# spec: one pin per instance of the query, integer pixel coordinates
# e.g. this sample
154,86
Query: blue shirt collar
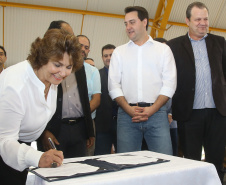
196,40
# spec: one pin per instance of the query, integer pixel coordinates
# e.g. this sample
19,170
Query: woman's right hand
49,157
45,142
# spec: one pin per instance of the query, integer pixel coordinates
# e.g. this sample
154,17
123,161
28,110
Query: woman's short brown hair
53,46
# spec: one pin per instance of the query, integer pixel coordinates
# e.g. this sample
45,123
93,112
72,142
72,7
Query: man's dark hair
108,46
162,40
141,11
85,37
1,47
89,59
195,4
56,24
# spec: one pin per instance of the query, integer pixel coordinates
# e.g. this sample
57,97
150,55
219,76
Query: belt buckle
141,104
71,121
144,104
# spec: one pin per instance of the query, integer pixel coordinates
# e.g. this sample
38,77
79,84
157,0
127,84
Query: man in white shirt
142,77
2,58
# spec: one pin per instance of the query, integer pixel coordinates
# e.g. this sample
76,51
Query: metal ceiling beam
165,17
67,10
84,12
185,25
161,18
155,25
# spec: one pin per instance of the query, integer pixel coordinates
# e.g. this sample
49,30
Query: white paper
127,159
66,170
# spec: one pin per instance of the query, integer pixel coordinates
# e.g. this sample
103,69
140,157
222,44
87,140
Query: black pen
54,164
52,143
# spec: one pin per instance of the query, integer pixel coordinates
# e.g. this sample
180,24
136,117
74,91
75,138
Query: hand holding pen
53,164
45,141
52,158
52,143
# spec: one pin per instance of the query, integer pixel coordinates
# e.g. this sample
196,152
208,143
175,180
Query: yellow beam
3,32
185,25
3,22
157,18
84,12
165,17
68,10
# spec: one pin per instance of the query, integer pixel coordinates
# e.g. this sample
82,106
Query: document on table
128,159
94,165
66,170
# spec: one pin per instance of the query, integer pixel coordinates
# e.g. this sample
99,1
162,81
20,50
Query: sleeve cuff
166,91
32,157
115,93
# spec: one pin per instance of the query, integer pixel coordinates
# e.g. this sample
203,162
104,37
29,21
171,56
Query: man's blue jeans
155,130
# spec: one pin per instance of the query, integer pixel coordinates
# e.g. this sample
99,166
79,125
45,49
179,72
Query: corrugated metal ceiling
101,30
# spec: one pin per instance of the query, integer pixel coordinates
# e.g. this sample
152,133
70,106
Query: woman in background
28,92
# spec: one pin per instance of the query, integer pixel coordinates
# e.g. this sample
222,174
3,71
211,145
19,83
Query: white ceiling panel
109,6
102,31
72,4
220,18
29,24
219,33
150,5
215,7
175,31
178,12
22,25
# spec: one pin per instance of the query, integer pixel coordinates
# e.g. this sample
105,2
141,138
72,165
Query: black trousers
206,128
72,139
104,140
10,176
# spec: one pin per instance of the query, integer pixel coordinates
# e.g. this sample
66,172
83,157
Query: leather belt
71,121
141,104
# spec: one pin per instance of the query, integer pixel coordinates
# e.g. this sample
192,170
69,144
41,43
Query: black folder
101,164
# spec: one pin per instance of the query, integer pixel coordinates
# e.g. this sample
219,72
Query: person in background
173,128
199,102
71,127
93,83
173,123
90,61
142,77
28,92
3,58
106,115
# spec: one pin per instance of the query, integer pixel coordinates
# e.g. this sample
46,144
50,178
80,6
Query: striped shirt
203,86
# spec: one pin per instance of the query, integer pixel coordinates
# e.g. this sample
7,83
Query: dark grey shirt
72,107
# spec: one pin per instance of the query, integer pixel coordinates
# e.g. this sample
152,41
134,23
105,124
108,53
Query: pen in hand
54,164
52,143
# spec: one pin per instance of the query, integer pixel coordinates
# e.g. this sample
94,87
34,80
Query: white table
178,171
